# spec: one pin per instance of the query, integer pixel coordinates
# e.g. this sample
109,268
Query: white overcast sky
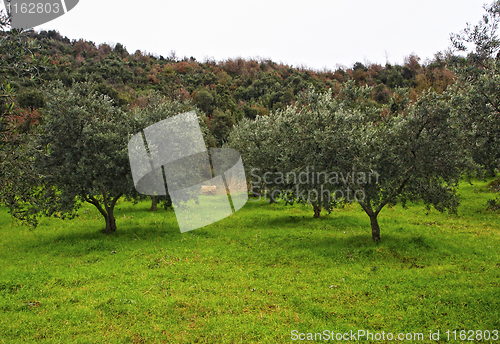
311,33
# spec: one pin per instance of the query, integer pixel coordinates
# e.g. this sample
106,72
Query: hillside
240,87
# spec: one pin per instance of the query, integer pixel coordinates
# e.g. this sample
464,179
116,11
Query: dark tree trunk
110,222
375,228
373,219
154,203
107,212
317,210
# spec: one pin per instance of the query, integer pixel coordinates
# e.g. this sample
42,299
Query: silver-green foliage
408,156
79,154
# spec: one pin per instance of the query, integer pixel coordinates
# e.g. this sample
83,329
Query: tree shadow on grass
402,246
329,234
84,237
292,220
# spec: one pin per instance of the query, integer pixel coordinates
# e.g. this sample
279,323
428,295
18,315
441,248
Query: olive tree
80,154
417,156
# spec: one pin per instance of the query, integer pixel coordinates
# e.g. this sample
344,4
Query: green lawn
254,277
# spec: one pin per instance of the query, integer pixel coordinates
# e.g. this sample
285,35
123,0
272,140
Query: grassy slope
253,277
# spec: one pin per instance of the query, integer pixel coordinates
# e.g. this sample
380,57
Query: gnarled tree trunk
375,228
107,212
110,222
373,219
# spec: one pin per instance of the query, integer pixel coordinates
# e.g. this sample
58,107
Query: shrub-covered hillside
225,90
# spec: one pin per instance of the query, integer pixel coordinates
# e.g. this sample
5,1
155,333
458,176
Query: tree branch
395,193
492,103
94,202
113,202
367,208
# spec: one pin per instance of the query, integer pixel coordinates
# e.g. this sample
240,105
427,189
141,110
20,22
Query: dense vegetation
226,91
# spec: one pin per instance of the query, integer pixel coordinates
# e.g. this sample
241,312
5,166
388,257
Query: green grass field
254,277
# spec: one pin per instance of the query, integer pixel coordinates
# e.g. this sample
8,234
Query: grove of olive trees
413,155
373,135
